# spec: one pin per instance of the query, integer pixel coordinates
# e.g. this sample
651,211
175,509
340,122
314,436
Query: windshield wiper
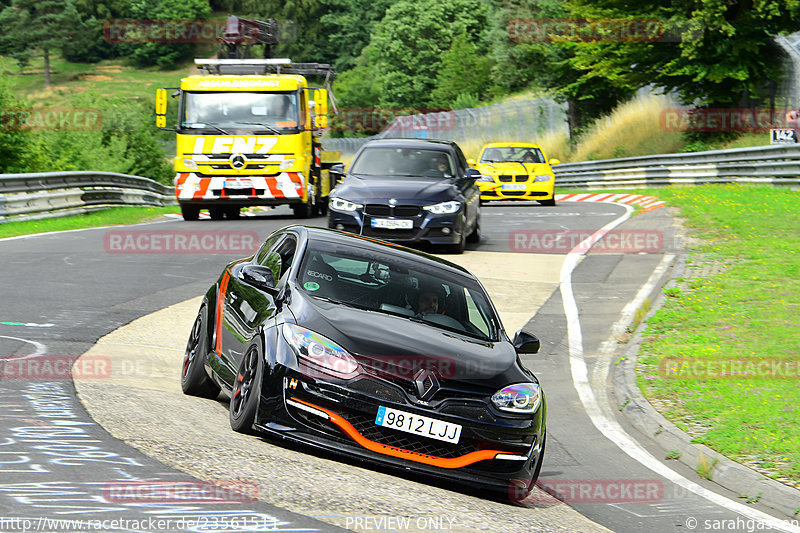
265,126
205,125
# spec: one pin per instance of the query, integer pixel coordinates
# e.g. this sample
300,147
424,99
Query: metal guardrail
776,165
53,194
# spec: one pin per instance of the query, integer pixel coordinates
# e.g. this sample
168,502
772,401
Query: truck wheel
215,213
302,210
190,212
232,212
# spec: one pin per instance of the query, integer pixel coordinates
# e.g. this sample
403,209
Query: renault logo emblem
238,160
425,384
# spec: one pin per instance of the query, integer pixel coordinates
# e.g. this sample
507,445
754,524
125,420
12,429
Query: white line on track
40,349
604,420
31,235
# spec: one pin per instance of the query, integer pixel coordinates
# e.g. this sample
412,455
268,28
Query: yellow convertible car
515,170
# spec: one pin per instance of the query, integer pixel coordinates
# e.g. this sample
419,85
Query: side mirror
471,162
555,161
526,342
472,174
338,168
260,277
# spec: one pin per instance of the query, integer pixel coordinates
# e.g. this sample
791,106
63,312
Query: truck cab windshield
273,113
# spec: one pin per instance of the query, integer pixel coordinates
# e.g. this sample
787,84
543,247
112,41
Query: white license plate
238,184
418,425
392,223
514,187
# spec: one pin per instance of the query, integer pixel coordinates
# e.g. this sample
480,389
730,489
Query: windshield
273,112
403,162
516,154
399,286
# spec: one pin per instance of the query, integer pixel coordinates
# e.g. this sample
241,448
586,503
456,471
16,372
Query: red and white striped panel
284,185
648,203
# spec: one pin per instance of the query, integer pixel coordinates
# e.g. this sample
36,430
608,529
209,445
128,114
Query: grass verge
739,301
112,216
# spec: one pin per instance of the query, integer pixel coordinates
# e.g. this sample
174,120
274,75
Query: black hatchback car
409,190
372,350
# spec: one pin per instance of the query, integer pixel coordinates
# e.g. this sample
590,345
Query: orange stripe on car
441,462
223,286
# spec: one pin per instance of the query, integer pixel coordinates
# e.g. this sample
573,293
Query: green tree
14,142
348,25
716,53
523,56
462,72
163,54
90,44
37,25
409,42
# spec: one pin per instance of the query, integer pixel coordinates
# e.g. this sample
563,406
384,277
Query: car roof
511,144
340,237
433,144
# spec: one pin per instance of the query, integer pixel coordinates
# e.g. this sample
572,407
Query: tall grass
634,128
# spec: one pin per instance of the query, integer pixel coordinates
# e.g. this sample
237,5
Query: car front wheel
246,391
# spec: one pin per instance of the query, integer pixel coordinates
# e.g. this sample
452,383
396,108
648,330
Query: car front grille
381,210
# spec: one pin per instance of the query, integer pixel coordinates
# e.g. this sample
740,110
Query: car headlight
543,177
191,164
319,351
286,164
519,398
485,178
340,204
443,208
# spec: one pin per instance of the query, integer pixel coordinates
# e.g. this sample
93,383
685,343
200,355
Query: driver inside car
428,302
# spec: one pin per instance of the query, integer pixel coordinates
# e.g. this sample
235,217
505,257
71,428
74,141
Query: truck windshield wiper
265,126
218,129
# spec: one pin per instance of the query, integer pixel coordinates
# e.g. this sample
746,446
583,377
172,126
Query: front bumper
426,227
493,450
531,190
285,187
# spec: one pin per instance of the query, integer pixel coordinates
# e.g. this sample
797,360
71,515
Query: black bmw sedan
409,190
373,350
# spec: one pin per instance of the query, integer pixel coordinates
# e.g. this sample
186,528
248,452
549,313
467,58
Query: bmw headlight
286,164
485,178
340,204
518,398
319,351
444,208
543,177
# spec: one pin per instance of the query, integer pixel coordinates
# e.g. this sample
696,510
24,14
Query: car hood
397,348
508,167
379,189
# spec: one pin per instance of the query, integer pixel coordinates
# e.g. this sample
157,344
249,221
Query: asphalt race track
62,292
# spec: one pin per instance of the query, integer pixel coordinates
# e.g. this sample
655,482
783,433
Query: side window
261,255
462,161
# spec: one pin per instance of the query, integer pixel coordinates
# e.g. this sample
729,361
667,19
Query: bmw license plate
392,223
418,425
238,184
514,187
